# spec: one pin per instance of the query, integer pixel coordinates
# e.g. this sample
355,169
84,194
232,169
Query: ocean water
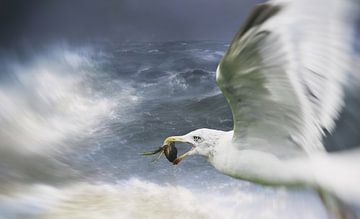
73,121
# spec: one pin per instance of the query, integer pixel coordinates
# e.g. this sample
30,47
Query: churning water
74,120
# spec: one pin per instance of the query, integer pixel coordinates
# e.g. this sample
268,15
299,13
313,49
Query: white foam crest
136,198
45,106
53,99
208,55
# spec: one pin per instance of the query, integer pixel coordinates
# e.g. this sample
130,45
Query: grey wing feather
284,72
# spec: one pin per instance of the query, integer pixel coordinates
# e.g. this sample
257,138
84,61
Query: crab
168,149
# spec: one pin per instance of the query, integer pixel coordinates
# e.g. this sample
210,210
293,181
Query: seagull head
203,142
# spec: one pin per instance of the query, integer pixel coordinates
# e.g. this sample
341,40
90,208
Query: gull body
244,161
283,76
259,166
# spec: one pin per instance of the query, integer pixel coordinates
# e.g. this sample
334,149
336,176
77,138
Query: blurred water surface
74,120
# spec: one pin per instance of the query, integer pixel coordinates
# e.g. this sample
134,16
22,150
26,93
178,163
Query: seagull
283,76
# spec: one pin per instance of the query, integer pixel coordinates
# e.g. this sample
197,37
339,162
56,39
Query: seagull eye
197,139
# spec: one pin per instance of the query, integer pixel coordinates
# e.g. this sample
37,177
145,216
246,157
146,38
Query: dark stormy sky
40,21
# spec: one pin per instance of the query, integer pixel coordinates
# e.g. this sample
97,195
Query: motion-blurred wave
74,120
48,102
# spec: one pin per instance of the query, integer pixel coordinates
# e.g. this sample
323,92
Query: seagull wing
284,72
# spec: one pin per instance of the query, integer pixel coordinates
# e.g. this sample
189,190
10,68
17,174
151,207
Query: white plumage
284,76
298,60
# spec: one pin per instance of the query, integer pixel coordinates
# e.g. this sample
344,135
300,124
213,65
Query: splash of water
49,102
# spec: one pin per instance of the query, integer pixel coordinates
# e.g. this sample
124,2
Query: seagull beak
178,159
171,139
179,139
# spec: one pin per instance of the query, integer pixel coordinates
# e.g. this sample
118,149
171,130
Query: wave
135,198
48,103
73,120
